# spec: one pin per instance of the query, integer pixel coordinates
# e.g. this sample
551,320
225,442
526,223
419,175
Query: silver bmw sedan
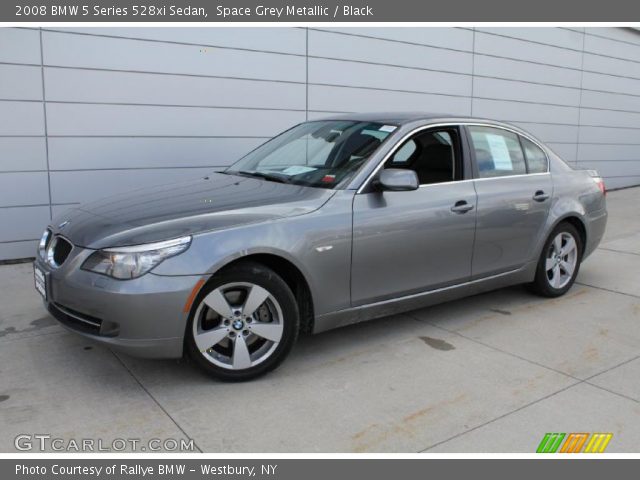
332,222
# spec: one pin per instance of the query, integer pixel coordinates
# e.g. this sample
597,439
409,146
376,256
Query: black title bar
41,11
314,469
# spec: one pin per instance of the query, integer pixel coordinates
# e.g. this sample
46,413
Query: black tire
542,285
262,276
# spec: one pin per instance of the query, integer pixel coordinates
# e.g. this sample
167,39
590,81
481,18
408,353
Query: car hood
186,208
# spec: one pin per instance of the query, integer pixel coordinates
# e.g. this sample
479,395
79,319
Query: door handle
461,206
540,196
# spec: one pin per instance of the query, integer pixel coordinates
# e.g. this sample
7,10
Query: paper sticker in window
499,152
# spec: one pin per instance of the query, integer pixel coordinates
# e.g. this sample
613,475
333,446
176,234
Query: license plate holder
40,282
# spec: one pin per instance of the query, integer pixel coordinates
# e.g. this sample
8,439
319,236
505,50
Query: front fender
318,244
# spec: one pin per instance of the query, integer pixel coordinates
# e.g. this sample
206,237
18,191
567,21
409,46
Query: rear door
514,193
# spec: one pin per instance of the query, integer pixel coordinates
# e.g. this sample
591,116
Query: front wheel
559,262
244,323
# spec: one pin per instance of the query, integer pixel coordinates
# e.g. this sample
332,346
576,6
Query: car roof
399,118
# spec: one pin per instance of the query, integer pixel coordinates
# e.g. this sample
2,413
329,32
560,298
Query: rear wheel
244,323
559,262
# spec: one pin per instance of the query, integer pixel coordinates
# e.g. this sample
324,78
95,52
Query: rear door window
498,152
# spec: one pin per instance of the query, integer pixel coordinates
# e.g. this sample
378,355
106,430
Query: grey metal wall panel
349,47
611,118
338,72
523,50
614,101
103,153
611,66
449,38
143,88
18,45
526,72
20,82
26,223
558,37
525,112
24,188
87,51
84,186
526,92
610,152
286,40
125,120
551,133
610,83
21,118
341,99
13,250
607,47
22,153
610,135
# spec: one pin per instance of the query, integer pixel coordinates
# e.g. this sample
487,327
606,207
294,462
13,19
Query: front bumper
143,317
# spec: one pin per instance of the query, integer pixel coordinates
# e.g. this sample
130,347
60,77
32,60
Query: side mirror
397,180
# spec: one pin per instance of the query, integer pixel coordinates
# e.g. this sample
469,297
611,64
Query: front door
413,241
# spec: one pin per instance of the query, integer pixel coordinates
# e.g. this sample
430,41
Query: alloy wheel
561,261
238,325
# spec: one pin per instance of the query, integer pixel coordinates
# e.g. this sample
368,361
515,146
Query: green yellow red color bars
574,442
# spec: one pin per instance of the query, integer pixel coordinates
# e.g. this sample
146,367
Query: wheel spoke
241,358
269,331
555,281
218,303
255,298
209,338
557,244
567,267
569,247
549,264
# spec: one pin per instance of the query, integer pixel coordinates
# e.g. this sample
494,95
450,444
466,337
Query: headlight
132,262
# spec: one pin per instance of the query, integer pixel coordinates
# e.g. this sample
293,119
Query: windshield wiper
274,177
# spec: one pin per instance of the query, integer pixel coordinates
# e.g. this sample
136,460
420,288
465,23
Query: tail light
599,181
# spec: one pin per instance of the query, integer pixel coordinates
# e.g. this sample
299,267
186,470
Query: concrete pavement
492,373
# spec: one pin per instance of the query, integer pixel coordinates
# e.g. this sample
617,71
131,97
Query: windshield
317,154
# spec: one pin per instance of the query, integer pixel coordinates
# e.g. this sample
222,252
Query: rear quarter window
536,158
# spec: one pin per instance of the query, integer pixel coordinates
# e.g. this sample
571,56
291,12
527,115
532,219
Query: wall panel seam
392,40
44,111
473,68
174,74
580,98
306,80
357,61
